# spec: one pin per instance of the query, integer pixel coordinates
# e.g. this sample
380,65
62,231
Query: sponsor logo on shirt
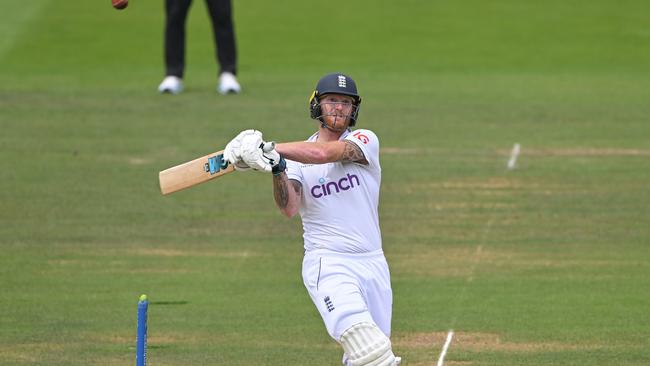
335,186
363,138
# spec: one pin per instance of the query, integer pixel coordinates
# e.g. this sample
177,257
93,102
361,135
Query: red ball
120,4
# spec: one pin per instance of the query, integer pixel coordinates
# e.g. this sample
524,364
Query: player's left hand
274,159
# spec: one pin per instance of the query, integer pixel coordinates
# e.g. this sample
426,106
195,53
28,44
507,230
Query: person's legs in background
226,49
176,15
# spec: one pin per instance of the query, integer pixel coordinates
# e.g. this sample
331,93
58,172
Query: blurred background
547,263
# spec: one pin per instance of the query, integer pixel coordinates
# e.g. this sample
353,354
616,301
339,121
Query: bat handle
268,146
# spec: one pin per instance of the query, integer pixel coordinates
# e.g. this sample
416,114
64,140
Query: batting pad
366,345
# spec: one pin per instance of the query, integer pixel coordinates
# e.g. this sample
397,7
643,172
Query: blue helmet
334,83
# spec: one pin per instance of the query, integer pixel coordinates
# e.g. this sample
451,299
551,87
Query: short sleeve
293,170
368,143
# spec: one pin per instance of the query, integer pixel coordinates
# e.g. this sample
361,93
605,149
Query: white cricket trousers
349,288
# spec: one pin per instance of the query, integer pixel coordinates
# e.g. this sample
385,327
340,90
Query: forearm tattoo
281,190
297,187
352,153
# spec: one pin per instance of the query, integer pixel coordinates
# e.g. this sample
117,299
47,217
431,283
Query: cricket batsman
332,180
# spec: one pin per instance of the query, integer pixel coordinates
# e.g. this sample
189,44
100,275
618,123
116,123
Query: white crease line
461,296
450,335
512,163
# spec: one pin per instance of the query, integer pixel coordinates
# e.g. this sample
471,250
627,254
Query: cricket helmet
334,83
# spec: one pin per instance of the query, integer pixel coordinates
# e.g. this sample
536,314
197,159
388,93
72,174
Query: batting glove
232,152
277,162
252,153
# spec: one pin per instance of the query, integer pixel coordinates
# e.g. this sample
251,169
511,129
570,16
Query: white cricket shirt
340,201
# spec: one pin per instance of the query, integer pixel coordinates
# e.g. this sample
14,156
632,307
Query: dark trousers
222,28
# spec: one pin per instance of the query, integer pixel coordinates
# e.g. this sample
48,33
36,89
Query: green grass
547,264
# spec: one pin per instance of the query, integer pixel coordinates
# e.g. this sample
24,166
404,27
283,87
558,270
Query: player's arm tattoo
280,190
352,153
297,187
281,187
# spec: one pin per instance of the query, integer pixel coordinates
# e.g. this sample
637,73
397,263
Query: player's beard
339,123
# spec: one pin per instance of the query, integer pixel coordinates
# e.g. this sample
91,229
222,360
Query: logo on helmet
342,82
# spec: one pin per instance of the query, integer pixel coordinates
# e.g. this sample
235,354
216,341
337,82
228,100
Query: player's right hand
232,152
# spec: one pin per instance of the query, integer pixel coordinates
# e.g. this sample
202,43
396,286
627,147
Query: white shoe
228,84
171,84
398,361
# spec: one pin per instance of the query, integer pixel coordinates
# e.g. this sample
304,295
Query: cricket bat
199,170
194,172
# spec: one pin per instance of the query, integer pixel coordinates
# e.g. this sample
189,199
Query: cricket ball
120,4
